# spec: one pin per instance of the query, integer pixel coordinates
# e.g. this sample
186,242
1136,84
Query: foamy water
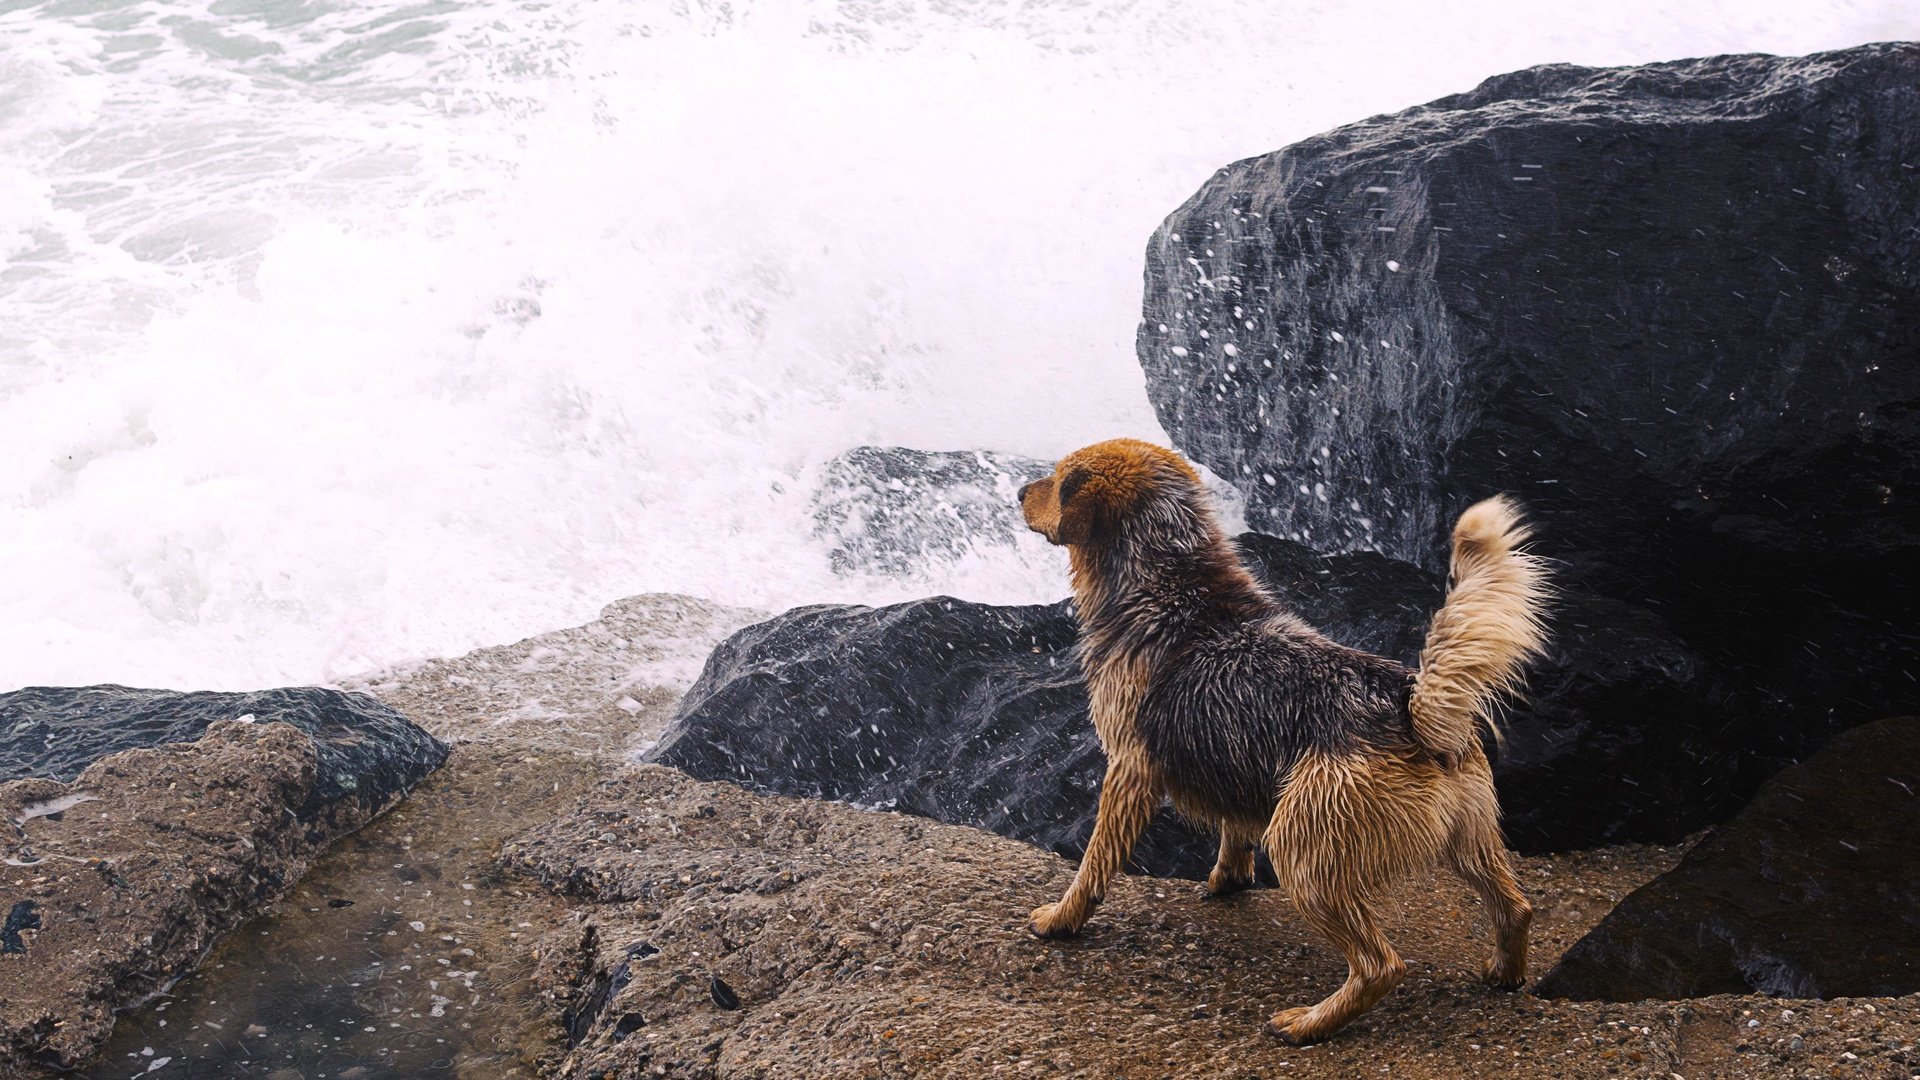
335,335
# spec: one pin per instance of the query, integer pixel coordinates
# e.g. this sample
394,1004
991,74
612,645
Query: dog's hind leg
1373,969
1127,800
1233,871
1345,827
1474,852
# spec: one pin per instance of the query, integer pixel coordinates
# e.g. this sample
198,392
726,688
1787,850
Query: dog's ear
1076,507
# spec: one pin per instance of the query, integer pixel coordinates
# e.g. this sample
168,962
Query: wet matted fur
1348,768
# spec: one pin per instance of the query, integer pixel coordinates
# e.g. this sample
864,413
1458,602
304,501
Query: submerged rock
977,715
1672,307
1812,891
891,510
123,865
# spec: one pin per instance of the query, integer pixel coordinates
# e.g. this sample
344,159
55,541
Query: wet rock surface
1672,307
874,944
595,689
365,752
402,953
1812,891
961,712
975,714
853,943
120,880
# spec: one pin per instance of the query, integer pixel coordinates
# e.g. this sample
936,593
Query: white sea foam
332,335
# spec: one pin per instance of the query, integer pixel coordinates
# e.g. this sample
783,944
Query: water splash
334,335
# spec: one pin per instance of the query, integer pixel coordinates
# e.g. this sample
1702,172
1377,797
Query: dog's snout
1024,488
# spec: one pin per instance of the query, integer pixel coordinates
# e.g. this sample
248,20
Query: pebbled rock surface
122,866
366,753
401,952
1675,308
1812,891
117,883
716,933
977,715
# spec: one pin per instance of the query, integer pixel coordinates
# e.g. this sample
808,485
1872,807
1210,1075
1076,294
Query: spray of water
332,335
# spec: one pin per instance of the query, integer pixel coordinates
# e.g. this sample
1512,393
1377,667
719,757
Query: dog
1349,769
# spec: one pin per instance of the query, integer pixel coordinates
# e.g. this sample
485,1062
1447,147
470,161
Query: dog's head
1095,491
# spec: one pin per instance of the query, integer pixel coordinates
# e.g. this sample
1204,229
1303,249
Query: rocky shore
540,907
695,841
715,933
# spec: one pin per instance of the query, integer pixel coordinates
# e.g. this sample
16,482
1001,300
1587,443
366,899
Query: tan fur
1128,797
1349,826
1345,824
1487,630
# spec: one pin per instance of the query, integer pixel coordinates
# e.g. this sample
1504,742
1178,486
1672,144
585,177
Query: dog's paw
1290,1026
1502,976
1048,921
1220,886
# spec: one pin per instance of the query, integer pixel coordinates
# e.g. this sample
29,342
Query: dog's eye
1071,484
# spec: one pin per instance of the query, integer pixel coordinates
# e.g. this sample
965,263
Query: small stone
723,994
627,1025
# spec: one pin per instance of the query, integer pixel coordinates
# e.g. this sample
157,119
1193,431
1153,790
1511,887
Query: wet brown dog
1350,769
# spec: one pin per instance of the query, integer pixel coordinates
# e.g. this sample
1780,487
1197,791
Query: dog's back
1233,707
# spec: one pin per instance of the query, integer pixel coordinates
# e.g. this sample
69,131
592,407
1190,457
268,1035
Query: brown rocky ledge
719,933
118,882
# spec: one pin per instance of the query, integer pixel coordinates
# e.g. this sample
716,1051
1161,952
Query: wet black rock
21,918
1675,308
890,510
1812,891
966,713
367,752
975,714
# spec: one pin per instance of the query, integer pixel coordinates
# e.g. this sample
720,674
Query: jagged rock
1812,891
123,865
890,510
976,714
1675,308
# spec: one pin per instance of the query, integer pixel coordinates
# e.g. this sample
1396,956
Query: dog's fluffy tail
1491,624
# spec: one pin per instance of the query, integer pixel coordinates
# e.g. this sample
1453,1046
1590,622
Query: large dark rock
366,752
891,510
1621,735
966,713
1675,308
977,715
1812,891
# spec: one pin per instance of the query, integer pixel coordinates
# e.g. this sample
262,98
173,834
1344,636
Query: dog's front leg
1127,800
